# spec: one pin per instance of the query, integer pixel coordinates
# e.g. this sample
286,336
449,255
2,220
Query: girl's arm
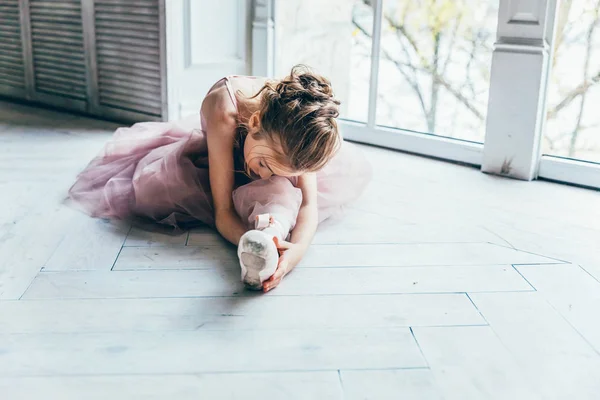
303,233
220,136
308,216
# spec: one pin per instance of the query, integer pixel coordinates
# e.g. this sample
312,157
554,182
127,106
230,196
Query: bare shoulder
219,111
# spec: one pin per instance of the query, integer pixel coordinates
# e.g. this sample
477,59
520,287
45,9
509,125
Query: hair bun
303,84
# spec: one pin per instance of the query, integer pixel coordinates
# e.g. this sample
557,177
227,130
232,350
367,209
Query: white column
263,35
516,108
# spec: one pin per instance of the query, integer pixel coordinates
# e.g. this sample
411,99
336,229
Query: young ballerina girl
264,166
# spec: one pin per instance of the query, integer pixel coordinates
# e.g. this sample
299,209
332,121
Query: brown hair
300,111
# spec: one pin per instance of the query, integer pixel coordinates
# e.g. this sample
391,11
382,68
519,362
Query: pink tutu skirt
157,172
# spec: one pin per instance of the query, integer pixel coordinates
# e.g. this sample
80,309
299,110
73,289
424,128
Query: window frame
523,43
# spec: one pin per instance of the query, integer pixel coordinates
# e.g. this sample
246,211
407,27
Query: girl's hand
290,255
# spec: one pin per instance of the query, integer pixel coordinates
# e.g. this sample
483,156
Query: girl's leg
275,196
274,202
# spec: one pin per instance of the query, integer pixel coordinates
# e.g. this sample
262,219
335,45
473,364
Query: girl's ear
254,121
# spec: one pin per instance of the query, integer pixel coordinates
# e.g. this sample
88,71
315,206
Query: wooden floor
440,283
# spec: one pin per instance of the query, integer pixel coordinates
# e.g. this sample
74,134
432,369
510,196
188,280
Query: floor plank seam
121,249
588,272
478,310
498,236
228,329
499,337
540,264
341,382
216,372
43,267
29,284
412,332
532,253
168,246
433,243
514,266
251,295
233,267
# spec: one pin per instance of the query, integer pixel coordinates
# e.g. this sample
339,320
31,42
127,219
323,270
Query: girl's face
261,155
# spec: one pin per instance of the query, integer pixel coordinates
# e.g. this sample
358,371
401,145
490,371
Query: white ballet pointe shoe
257,252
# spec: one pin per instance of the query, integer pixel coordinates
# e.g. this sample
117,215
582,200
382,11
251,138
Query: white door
206,40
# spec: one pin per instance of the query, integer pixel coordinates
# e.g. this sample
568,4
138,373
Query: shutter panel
12,70
57,47
101,57
128,55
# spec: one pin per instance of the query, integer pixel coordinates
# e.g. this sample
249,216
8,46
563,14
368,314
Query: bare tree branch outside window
436,58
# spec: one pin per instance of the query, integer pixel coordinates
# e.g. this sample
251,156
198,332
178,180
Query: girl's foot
257,252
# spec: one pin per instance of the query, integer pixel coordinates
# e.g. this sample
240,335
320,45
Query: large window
464,80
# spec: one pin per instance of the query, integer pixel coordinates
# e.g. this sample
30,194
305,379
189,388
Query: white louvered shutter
101,57
128,54
58,52
12,69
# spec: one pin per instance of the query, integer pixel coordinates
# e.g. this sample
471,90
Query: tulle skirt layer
157,172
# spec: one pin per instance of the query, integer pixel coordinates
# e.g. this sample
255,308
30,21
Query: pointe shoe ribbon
263,221
268,224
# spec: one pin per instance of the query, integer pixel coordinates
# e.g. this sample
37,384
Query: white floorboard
208,351
302,281
320,256
223,386
237,313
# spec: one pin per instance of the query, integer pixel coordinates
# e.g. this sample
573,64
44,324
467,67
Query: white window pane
435,66
573,121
